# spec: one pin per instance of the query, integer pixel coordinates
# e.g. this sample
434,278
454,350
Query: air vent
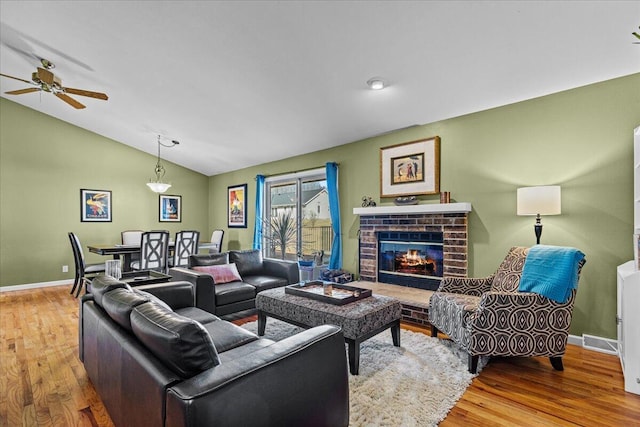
600,344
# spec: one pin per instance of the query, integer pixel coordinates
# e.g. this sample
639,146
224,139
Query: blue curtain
257,231
335,262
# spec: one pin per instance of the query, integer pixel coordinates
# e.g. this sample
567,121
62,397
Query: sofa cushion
209,259
119,303
151,297
229,293
182,344
199,315
226,335
249,262
265,282
223,273
100,285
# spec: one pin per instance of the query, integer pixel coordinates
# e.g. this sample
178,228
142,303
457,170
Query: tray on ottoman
337,294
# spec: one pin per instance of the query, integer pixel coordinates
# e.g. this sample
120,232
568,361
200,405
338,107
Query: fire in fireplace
412,259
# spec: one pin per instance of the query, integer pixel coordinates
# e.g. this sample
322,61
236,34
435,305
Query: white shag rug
415,384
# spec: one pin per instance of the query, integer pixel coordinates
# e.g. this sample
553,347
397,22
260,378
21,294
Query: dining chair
130,238
154,251
83,270
216,241
186,244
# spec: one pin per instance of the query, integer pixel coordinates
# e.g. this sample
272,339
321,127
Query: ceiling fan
45,80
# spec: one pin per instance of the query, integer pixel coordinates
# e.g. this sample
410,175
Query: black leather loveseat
231,295
156,360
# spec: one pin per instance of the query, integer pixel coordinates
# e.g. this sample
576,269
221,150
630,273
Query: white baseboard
591,342
35,285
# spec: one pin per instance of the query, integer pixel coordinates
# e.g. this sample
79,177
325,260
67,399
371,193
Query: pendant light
156,185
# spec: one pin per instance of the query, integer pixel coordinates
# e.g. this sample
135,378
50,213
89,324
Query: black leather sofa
156,360
256,273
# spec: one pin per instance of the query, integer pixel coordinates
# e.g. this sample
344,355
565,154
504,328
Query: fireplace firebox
413,259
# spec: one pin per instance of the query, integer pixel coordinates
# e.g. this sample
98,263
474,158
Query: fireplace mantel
435,208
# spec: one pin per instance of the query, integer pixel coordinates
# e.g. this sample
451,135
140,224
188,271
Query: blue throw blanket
551,271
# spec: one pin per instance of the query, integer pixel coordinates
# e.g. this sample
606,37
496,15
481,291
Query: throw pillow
182,344
223,273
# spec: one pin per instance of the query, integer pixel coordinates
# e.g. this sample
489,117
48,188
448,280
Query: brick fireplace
450,219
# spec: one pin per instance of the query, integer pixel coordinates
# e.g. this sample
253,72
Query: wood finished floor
43,383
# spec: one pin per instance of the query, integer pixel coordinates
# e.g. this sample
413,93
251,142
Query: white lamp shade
158,187
543,200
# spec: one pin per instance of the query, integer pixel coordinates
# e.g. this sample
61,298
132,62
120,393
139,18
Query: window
297,222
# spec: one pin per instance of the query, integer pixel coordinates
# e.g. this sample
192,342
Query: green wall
581,139
44,162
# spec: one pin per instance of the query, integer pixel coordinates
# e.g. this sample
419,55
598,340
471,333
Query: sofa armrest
282,268
203,286
301,378
177,294
466,285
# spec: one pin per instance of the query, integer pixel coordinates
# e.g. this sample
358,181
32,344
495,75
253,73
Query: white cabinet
636,180
628,320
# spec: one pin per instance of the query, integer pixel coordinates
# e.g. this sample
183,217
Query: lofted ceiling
240,83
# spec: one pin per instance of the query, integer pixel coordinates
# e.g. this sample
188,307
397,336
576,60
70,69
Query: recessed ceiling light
376,83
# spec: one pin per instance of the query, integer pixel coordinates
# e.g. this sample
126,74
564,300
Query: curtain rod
298,171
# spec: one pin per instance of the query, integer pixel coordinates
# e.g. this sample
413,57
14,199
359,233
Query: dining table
118,251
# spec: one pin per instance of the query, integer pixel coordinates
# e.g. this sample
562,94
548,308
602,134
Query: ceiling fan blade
16,78
69,100
46,76
21,91
88,93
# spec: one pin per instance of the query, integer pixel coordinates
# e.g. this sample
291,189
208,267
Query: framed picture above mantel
410,168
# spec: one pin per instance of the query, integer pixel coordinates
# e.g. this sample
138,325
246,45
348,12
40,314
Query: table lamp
540,200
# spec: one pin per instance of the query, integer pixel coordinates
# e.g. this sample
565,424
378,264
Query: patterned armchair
490,317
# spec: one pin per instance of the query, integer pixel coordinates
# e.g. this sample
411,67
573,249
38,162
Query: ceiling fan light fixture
376,83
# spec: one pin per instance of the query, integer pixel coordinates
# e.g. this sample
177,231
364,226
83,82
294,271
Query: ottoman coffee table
359,320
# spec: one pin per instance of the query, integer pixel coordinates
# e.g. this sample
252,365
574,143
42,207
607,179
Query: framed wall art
410,168
95,205
237,206
170,209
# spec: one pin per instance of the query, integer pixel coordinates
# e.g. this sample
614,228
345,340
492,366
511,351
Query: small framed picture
95,205
410,168
237,206
170,208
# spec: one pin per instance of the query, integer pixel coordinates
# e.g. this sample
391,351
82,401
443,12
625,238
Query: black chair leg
556,362
434,331
75,284
83,284
473,364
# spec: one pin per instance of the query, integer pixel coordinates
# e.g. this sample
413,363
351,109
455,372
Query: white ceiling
244,83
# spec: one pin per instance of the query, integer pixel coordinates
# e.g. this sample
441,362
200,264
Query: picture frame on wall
410,168
95,205
170,208
237,206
